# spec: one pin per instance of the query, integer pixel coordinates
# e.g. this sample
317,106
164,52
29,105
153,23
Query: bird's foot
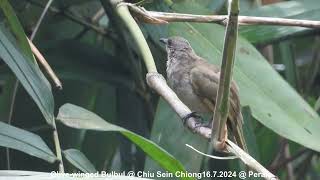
199,123
192,114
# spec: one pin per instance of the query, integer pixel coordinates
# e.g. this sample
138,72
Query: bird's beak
164,40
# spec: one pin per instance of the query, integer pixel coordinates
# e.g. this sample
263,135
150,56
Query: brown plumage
195,81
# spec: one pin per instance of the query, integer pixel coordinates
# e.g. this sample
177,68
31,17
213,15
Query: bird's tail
238,134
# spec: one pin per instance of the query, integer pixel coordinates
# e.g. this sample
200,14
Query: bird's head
176,43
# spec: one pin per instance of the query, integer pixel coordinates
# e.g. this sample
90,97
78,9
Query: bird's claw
192,114
199,123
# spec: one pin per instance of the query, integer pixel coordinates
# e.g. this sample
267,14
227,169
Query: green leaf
77,117
16,28
249,134
169,133
287,58
79,160
6,96
28,74
25,141
131,114
262,34
272,100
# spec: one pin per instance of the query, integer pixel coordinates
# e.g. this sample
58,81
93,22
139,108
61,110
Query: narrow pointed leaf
79,160
28,74
169,133
77,117
16,29
25,141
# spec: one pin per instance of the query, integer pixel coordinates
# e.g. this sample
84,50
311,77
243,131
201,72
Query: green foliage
25,141
305,9
16,28
28,74
169,133
79,160
77,117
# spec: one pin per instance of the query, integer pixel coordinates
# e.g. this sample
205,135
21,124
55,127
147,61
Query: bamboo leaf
77,117
79,160
16,29
16,53
25,141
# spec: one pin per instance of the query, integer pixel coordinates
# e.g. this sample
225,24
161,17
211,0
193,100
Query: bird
196,82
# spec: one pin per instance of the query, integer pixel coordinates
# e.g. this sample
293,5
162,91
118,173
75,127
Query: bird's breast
179,81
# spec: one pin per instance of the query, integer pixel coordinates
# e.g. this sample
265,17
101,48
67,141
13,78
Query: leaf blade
77,117
16,28
262,34
79,160
25,141
29,75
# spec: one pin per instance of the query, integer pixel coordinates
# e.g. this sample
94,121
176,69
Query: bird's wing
205,83
205,80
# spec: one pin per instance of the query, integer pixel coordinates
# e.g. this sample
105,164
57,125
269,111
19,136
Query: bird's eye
169,42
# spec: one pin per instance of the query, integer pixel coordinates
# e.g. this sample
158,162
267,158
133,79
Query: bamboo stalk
155,17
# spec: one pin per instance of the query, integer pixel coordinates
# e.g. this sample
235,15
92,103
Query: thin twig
10,116
211,156
45,64
304,167
73,18
164,17
44,12
289,165
58,147
221,110
277,166
278,156
98,15
249,161
267,52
